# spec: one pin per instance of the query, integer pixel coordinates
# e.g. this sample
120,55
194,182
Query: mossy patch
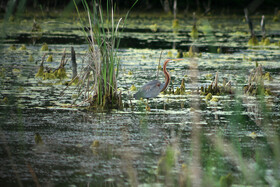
40,72
12,47
154,27
132,88
30,58
253,41
44,47
265,41
50,58
23,47
194,33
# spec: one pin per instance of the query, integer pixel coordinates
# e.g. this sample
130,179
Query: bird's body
153,88
149,90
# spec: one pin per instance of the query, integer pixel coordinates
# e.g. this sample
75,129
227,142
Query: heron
153,88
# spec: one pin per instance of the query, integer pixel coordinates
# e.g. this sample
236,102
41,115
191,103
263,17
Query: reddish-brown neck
167,76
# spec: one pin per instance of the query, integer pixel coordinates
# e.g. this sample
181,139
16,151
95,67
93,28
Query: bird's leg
148,108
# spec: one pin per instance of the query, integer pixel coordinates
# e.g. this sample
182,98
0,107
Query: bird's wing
149,90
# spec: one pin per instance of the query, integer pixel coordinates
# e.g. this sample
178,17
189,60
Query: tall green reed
103,63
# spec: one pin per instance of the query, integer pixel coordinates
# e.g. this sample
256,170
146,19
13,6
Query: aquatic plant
255,85
58,73
208,96
182,89
194,32
36,27
215,89
276,15
265,41
23,47
177,91
2,73
30,58
44,47
38,139
95,144
169,54
103,63
36,32
209,76
130,72
154,27
132,88
12,47
214,99
267,76
175,25
16,71
40,72
50,58
253,41
179,53
193,52
5,100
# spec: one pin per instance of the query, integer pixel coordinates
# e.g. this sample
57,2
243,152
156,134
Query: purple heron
153,88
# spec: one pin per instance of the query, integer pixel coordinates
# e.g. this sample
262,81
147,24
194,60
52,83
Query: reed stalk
103,64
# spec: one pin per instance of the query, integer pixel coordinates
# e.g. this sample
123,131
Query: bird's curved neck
167,76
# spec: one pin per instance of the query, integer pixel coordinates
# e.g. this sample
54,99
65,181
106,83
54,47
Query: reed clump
98,80
215,89
47,73
255,85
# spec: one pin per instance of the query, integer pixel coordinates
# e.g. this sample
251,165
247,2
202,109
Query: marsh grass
98,80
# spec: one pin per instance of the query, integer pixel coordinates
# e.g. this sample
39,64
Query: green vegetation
48,73
44,47
175,25
23,47
30,58
256,85
194,32
103,62
154,27
50,58
253,41
12,47
193,52
265,41
215,89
